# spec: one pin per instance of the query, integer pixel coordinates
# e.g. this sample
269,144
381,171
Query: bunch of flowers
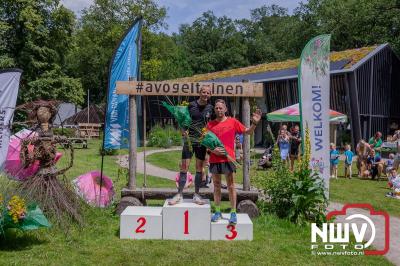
180,113
209,140
182,116
17,214
184,103
16,209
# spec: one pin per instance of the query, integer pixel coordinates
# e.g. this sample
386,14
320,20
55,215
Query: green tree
353,23
102,26
162,58
36,35
212,44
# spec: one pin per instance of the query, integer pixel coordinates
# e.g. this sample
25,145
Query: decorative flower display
209,140
17,214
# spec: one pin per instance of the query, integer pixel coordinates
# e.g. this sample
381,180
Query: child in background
334,157
392,176
238,149
389,163
189,179
348,161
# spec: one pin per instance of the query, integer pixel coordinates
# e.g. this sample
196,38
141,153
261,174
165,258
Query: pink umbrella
88,187
13,165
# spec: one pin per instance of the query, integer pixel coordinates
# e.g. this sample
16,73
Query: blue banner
124,67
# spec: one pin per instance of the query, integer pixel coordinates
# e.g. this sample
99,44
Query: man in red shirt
225,129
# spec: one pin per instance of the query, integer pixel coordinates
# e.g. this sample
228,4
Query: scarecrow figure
55,196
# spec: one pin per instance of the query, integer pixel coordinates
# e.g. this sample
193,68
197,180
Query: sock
233,210
197,182
217,208
182,181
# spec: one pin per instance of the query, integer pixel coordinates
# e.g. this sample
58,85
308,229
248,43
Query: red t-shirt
226,132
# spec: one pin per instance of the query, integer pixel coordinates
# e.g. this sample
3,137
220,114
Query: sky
186,11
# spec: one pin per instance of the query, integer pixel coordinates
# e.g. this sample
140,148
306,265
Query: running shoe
233,219
216,216
178,198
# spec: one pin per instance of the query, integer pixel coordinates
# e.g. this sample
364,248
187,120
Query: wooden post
246,144
144,98
132,142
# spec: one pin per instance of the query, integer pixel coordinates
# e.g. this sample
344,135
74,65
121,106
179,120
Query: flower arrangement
209,140
17,214
184,103
16,209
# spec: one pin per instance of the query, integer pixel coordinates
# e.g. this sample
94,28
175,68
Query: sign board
239,89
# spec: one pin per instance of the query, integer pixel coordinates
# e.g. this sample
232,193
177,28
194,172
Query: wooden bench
79,141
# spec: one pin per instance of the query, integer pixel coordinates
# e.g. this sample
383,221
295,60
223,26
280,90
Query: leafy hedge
164,137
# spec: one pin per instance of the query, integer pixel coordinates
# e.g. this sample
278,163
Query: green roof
353,55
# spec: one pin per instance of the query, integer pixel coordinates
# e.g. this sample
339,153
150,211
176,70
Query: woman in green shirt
375,143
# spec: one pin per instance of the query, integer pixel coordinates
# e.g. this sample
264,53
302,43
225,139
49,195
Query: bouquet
16,214
180,113
182,116
209,140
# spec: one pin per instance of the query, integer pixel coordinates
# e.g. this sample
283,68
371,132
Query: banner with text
9,85
314,81
237,89
125,64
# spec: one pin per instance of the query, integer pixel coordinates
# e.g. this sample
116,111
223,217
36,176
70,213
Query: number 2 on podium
143,222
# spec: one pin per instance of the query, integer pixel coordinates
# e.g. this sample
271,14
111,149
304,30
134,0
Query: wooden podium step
165,193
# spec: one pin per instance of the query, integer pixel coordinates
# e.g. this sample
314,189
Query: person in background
392,176
348,161
238,149
374,164
396,138
284,145
334,157
375,143
295,141
189,180
389,164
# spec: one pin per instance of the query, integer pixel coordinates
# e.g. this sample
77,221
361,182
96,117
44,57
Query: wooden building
365,85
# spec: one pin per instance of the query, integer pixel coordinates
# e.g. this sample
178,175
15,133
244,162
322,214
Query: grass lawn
358,190
276,241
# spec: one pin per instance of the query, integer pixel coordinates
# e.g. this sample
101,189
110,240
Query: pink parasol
13,166
88,187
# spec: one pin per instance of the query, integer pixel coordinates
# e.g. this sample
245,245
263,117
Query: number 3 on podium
232,230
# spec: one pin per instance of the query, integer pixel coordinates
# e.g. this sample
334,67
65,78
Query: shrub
299,196
164,137
68,132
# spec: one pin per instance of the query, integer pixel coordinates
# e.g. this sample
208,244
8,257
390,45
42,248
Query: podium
222,230
141,223
183,221
186,221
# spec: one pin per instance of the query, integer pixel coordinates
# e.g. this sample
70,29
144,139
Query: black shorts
294,150
198,150
222,168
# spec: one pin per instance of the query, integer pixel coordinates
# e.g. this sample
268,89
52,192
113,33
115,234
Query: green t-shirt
376,146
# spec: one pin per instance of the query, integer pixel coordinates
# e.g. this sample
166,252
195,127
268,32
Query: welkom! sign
241,89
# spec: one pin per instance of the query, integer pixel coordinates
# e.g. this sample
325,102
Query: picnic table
81,142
